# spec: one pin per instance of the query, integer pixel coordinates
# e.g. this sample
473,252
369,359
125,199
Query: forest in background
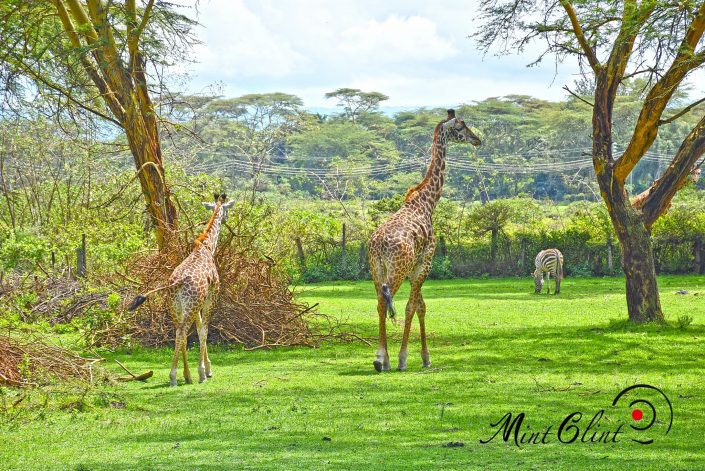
311,188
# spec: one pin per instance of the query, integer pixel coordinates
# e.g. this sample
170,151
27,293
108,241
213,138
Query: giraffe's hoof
378,366
426,360
172,383
209,375
202,380
401,367
188,381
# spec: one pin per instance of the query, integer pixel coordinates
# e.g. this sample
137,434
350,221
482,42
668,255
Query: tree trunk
643,302
143,137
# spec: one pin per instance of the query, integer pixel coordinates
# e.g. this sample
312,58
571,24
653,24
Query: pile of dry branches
255,306
59,297
31,363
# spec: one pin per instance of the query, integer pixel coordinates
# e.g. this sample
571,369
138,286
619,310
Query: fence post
342,247
300,251
522,254
610,262
361,258
81,258
698,253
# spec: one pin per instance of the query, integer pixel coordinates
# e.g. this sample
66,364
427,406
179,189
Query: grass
495,348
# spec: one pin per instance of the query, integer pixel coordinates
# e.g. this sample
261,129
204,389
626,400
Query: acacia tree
355,102
614,41
92,57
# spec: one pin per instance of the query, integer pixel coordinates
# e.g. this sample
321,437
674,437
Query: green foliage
355,102
684,321
440,269
22,250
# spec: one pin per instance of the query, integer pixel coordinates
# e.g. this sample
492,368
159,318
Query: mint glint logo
638,402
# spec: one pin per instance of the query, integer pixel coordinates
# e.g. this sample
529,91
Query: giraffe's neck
209,236
214,232
431,187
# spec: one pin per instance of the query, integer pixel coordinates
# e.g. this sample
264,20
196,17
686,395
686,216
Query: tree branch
657,198
681,113
58,88
565,87
580,35
646,128
110,98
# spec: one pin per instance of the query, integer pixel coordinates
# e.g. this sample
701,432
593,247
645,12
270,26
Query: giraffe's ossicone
192,290
403,246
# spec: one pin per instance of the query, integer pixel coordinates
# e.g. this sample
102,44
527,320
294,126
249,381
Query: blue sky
416,52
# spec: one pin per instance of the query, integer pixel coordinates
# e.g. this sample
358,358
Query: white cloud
238,43
412,50
396,39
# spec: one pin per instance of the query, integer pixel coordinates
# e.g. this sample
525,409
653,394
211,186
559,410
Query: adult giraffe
192,289
403,246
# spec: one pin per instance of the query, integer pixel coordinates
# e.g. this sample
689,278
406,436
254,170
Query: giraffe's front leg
381,363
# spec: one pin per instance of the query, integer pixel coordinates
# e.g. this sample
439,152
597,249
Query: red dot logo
637,414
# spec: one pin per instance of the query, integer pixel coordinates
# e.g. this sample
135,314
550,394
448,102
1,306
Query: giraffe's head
458,131
221,205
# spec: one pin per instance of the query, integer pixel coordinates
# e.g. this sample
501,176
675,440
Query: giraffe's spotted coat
193,287
403,246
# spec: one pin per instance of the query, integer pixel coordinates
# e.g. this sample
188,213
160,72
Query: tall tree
614,41
93,56
355,102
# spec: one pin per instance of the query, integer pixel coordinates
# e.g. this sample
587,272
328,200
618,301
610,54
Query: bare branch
580,35
681,113
565,87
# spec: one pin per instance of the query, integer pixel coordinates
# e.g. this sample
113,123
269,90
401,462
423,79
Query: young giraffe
403,246
192,289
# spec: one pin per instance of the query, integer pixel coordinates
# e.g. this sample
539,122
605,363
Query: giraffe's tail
141,298
387,295
137,302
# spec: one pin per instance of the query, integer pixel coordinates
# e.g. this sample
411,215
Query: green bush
22,251
440,269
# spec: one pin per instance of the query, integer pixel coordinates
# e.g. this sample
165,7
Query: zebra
550,262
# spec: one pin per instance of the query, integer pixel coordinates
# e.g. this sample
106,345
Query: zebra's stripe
547,261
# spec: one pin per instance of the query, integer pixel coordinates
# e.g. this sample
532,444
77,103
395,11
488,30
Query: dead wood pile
32,363
255,306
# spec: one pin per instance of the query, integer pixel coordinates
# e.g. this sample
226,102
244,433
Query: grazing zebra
550,262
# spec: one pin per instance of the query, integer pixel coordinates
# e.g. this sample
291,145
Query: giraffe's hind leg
410,309
417,305
175,359
202,319
179,349
421,313
187,372
202,330
381,362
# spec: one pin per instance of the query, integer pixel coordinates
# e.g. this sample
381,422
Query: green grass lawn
495,348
